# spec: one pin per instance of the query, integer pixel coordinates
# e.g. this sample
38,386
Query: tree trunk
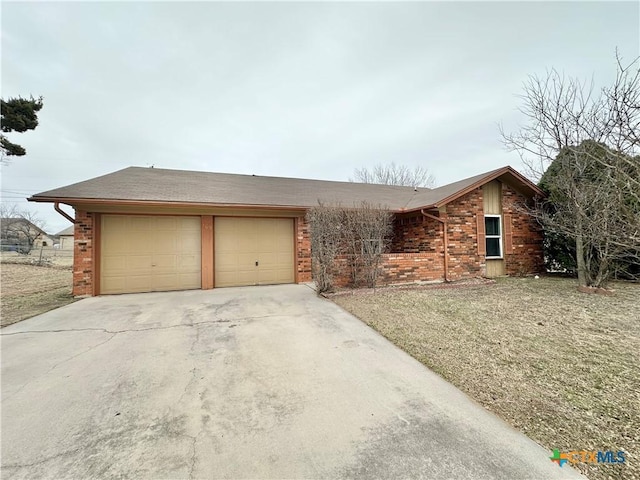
582,271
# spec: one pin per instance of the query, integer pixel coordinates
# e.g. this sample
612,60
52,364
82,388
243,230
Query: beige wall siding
495,268
492,195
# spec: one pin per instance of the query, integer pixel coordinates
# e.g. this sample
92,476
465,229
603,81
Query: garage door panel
188,244
188,263
166,223
241,242
149,253
114,264
165,261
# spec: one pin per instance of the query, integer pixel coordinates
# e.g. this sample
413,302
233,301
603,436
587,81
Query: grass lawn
28,290
561,366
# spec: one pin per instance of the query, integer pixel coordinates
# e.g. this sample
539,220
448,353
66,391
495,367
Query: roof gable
448,193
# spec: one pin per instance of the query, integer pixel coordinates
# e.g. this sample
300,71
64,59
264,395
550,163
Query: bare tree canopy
19,229
394,174
587,142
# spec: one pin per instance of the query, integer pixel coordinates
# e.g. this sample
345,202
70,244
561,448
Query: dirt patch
561,366
29,290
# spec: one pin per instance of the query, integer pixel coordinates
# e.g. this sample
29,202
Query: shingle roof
66,231
136,184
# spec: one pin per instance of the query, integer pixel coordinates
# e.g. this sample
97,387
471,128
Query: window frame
498,236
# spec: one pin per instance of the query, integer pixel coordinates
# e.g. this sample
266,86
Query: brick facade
417,247
527,255
415,233
416,252
83,254
303,246
464,261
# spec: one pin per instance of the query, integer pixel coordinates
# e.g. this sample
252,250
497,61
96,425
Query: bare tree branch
393,174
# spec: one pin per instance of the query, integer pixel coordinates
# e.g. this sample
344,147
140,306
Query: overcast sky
309,90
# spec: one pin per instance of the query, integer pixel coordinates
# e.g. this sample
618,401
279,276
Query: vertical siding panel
491,194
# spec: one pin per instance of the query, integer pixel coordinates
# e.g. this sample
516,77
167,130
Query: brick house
148,229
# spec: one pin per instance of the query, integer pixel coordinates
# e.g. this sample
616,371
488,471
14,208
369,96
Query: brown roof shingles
137,184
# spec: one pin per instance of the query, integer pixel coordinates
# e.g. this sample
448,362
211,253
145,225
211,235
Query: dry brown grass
561,366
29,290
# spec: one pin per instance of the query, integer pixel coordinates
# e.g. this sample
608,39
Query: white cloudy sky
308,90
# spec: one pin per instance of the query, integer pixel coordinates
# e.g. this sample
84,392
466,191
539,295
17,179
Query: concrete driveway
259,382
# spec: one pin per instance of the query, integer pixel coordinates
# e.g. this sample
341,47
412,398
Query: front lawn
561,366
29,290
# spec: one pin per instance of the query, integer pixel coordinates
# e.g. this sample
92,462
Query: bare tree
19,228
591,139
393,174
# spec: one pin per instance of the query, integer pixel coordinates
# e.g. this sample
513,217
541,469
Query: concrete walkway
259,382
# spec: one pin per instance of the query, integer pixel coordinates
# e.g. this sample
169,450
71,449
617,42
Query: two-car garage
147,253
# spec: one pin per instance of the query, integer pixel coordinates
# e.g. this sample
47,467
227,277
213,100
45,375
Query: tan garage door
253,251
149,253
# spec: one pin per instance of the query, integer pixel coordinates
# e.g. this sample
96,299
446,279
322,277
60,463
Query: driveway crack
93,347
129,330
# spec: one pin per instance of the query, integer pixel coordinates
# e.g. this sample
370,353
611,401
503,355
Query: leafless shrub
367,232
325,225
361,234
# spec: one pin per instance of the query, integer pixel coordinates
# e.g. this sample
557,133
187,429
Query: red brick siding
411,267
464,260
527,256
396,268
416,233
303,246
83,267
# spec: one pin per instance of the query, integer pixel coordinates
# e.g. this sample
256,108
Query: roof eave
155,203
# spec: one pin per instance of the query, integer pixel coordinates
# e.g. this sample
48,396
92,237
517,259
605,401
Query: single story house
151,229
65,238
19,234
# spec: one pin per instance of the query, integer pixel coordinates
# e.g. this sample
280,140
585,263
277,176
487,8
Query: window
493,235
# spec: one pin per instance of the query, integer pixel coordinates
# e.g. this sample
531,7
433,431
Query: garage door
149,253
253,251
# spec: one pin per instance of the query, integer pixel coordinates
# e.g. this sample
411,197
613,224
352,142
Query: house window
493,235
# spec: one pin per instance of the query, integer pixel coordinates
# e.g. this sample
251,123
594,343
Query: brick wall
411,267
396,268
83,254
303,246
418,234
527,255
464,260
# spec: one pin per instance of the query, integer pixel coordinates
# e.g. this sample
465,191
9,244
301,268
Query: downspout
445,239
57,208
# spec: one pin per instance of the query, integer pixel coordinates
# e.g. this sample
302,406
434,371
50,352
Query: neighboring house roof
154,185
8,221
66,232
